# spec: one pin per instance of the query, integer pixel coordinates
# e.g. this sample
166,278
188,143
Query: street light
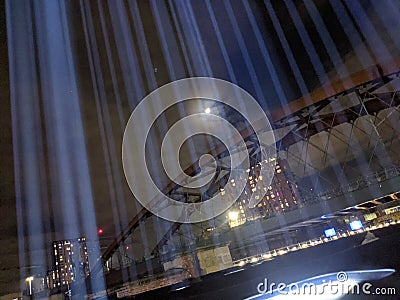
233,215
29,281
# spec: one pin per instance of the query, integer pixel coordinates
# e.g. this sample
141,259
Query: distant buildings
282,195
70,262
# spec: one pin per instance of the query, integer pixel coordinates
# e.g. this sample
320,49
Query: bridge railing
356,184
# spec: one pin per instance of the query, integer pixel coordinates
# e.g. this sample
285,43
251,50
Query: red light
100,231
127,247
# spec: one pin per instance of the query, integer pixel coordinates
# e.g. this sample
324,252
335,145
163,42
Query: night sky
99,158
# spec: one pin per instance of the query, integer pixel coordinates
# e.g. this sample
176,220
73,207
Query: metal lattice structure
360,120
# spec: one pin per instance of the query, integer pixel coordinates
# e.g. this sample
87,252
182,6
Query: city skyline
324,72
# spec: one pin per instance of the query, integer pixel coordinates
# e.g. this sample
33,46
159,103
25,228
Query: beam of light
389,15
175,67
223,47
27,139
287,49
161,123
333,54
266,55
380,52
188,13
103,115
125,48
195,43
308,45
70,156
317,65
245,53
243,48
143,45
69,180
56,84
167,38
169,58
111,65
152,83
352,34
326,38
221,43
368,31
108,142
224,51
125,41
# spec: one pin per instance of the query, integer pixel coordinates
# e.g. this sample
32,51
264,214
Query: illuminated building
71,262
282,195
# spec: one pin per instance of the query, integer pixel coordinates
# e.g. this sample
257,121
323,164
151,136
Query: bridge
338,146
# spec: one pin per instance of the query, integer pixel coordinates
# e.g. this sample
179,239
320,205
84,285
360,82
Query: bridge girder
304,118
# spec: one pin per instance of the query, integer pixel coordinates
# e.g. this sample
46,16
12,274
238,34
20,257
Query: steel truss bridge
341,143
